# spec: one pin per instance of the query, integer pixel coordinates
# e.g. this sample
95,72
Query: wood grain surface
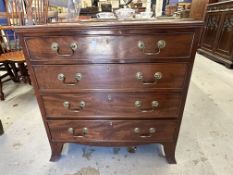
111,76
111,47
112,105
108,61
112,130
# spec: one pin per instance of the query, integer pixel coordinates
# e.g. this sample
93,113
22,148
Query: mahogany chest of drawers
111,83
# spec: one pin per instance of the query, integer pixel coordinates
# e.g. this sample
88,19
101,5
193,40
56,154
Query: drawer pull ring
146,135
61,77
154,105
67,105
157,76
56,48
72,131
160,45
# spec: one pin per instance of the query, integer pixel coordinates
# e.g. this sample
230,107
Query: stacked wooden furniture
217,37
112,83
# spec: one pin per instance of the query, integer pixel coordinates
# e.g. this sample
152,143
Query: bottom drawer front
112,130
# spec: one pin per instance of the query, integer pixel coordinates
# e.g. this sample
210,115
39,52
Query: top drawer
108,48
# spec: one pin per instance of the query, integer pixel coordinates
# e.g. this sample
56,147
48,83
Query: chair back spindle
37,11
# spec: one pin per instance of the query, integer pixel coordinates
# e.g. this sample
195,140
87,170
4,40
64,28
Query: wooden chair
11,55
18,12
30,12
37,11
6,74
11,58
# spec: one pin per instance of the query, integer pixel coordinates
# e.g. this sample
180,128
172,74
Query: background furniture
11,58
11,55
123,84
198,9
37,11
6,74
217,37
213,1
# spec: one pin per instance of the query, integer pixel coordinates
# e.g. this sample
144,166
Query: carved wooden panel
217,38
225,43
211,29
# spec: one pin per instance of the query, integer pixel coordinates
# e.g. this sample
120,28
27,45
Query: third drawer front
112,105
112,130
111,76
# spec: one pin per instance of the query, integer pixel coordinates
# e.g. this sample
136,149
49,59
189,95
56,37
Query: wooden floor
204,146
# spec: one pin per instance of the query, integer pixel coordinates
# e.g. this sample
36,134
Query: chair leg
24,73
10,73
1,91
1,128
15,71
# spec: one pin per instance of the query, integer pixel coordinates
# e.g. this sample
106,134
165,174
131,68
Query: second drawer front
112,105
112,130
117,76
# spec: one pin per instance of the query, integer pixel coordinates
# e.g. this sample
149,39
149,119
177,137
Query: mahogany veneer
111,76
112,83
110,47
112,105
113,130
